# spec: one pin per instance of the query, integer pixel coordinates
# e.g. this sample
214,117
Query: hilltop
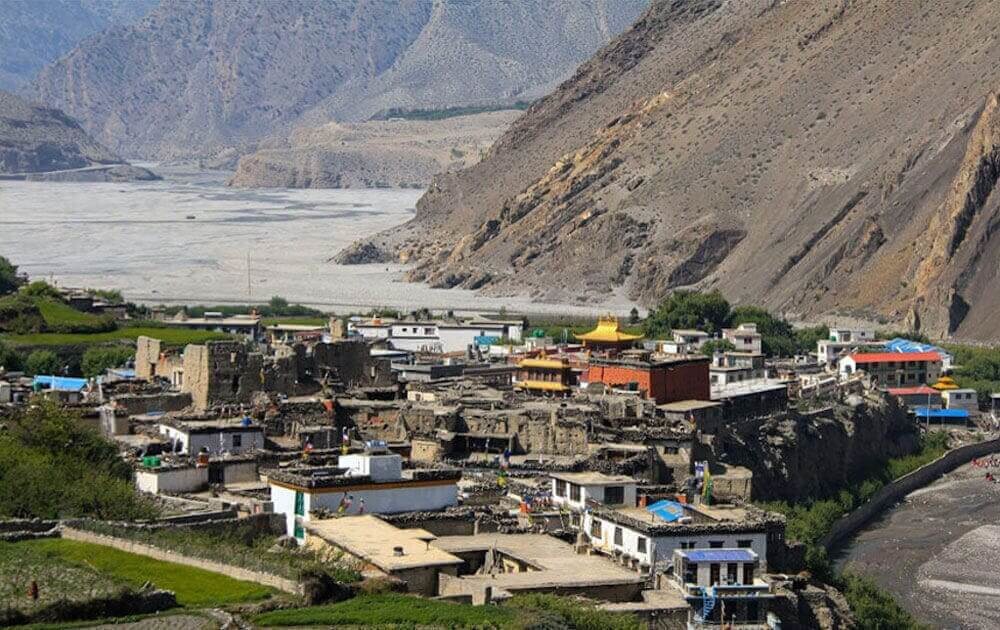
250,70
813,157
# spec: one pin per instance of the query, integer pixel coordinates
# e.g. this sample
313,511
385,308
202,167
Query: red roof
883,357
922,390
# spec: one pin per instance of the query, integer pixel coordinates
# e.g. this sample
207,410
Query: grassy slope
57,313
170,336
20,563
193,587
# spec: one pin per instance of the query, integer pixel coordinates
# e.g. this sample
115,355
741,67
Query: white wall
377,501
378,467
663,546
171,480
192,443
591,493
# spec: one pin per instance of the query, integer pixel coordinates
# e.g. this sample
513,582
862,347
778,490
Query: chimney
397,551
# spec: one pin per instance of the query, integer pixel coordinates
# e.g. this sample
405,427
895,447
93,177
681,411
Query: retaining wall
891,493
239,573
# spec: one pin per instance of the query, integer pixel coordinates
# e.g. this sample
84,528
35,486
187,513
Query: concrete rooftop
373,540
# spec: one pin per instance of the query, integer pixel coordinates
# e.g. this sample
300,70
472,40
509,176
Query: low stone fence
18,529
239,573
891,493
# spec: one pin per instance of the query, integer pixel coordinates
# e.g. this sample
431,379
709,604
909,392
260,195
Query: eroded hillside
815,157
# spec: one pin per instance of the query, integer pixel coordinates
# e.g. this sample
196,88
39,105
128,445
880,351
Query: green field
194,587
20,563
170,336
60,314
394,610
391,609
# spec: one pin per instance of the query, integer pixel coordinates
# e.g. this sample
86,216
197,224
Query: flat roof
658,361
688,405
373,540
690,332
557,563
593,478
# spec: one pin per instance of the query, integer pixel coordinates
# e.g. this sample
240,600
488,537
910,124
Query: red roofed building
894,369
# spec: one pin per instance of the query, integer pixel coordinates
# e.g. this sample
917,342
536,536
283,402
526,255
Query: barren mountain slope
34,33
393,153
37,139
803,155
199,76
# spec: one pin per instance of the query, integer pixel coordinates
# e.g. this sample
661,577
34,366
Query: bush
53,466
42,362
96,360
20,315
874,608
712,346
41,289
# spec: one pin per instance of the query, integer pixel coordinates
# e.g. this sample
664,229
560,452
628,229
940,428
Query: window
237,440
640,545
744,544
690,573
618,535
614,495
732,573
428,331
574,492
714,571
595,529
747,573
560,488
688,544
716,544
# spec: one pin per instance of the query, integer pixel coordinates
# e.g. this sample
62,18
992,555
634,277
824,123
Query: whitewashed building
437,335
744,338
573,490
215,438
369,483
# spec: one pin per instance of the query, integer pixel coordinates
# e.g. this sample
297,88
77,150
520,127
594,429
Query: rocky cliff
797,455
814,157
392,153
37,139
196,77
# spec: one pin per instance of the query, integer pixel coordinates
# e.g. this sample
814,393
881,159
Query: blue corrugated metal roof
61,383
720,555
667,510
906,345
924,412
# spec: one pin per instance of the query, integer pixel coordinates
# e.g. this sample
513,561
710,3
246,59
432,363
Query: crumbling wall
537,431
147,355
221,372
349,361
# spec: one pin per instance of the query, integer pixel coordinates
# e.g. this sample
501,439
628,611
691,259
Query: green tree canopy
8,277
42,362
688,309
96,360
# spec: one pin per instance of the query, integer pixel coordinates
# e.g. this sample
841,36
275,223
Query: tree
10,360
278,303
42,362
688,309
96,360
712,346
9,281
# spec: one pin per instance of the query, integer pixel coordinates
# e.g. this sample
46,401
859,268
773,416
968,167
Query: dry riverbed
938,551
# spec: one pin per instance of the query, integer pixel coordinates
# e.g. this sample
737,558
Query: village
476,459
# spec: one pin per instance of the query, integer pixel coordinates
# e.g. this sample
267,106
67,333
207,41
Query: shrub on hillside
9,281
41,289
10,359
20,315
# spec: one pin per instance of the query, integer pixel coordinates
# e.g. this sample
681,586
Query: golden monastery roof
607,331
945,382
553,364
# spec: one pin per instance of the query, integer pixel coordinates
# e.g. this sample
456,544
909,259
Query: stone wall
892,493
222,372
238,573
136,404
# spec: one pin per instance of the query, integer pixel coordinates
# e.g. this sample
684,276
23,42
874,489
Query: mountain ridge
794,155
